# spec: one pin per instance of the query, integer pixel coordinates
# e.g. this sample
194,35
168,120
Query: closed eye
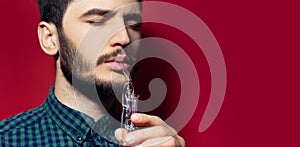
96,22
133,21
134,25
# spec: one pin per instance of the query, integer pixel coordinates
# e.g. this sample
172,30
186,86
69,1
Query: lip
117,66
118,63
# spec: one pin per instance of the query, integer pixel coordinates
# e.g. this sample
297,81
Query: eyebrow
96,11
133,16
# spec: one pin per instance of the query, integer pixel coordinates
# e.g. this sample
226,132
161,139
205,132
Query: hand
156,133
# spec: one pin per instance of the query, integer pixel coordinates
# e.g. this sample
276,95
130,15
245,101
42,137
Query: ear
48,38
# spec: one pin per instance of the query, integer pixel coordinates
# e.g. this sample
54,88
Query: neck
71,97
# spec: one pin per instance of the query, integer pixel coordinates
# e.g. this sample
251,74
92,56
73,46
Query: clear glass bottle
129,106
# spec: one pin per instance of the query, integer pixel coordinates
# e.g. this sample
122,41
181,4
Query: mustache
114,54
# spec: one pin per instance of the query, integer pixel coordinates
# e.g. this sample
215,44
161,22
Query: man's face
95,36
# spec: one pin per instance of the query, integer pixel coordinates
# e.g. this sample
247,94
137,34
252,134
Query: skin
118,34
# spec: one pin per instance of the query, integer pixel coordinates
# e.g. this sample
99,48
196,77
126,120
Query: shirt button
79,138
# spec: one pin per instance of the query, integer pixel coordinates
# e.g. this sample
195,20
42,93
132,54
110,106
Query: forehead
79,6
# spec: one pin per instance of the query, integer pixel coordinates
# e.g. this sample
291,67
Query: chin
113,77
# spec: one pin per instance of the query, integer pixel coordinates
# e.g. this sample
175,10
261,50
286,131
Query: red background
260,43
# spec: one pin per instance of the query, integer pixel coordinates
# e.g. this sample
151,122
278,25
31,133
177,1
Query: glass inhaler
129,105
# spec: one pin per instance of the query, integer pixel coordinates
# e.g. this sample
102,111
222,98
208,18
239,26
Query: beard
73,64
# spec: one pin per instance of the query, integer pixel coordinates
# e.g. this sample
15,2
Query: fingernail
136,117
129,138
139,145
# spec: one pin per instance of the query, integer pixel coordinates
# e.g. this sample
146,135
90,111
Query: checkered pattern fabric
53,124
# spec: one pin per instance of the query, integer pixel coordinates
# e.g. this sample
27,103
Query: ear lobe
48,38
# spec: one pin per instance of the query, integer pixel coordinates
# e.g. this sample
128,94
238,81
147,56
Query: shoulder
22,120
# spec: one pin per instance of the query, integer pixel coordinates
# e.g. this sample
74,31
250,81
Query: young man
90,41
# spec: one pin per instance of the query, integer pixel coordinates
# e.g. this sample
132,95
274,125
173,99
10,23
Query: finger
179,141
139,136
146,120
120,135
167,141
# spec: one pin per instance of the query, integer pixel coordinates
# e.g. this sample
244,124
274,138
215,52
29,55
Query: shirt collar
76,124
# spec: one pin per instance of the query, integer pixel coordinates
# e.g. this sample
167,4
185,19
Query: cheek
76,37
75,31
135,47
134,35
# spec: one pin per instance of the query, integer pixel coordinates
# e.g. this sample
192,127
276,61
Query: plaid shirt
54,124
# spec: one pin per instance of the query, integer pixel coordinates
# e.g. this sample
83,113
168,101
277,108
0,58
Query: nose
121,38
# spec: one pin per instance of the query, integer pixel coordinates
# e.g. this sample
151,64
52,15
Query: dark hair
54,10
